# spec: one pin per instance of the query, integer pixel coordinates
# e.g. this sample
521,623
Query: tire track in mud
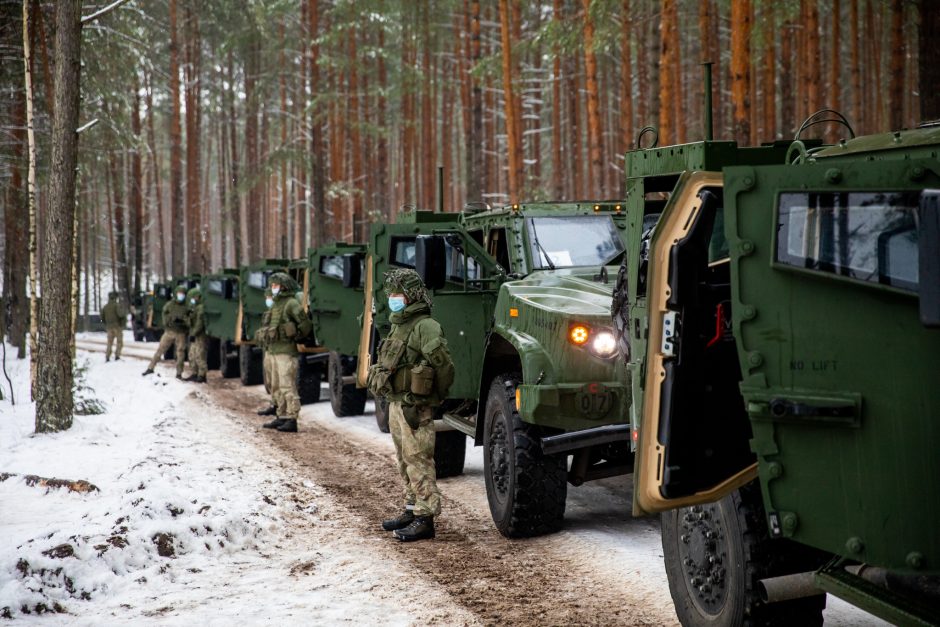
501,581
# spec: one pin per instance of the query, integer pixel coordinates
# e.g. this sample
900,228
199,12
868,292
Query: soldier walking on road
114,317
175,330
271,410
199,346
288,323
414,372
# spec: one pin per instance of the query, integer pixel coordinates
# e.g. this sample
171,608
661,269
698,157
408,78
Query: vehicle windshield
572,241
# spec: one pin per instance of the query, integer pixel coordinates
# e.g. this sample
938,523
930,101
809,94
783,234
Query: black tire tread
346,400
308,383
450,452
251,366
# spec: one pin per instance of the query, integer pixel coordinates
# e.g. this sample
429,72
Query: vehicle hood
567,291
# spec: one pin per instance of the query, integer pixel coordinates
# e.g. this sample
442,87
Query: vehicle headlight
603,344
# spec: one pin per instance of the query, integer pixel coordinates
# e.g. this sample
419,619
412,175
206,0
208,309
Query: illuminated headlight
603,344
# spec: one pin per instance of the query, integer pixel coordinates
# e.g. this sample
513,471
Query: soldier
199,345
175,330
114,317
287,324
270,410
414,373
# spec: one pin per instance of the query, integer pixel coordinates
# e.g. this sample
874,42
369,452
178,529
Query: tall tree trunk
509,100
54,367
856,69
176,150
196,246
253,240
788,91
929,61
813,76
475,137
741,69
235,194
667,66
896,83
355,115
382,160
318,215
31,206
626,82
769,77
119,224
16,249
136,188
834,88
574,157
164,265
596,168
558,172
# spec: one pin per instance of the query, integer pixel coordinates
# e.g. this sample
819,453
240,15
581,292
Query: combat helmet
408,282
194,292
286,281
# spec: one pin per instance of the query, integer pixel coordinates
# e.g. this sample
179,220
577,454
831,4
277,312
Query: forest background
231,131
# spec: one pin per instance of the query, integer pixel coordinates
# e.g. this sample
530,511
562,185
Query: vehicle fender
510,350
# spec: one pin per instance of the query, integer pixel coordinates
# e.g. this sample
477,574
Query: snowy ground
202,518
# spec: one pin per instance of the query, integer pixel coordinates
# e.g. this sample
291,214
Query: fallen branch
45,482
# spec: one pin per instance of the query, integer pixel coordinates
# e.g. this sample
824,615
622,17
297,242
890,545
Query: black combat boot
147,371
191,378
117,359
399,522
421,528
274,424
202,379
268,411
179,376
288,426
107,359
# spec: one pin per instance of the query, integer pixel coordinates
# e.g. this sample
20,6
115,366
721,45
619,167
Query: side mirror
928,244
352,271
430,261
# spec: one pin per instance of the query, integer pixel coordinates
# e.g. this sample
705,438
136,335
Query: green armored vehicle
253,281
784,321
335,294
523,295
220,297
153,310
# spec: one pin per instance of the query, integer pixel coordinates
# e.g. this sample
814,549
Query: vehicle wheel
151,336
716,554
228,360
309,377
170,352
251,368
213,359
450,450
346,399
620,313
138,335
381,415
526,489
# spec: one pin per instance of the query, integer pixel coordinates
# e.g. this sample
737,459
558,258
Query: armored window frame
331,266
259,278
455,259
851,235
216,287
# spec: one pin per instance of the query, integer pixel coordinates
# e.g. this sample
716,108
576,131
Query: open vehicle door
694,432
335,293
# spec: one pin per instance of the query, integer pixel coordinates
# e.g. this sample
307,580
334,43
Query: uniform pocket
422,380
391,353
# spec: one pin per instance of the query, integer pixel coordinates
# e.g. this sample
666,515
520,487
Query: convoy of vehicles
766,371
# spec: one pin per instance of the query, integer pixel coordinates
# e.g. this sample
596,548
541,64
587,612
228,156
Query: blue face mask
181,297
269,302
396,303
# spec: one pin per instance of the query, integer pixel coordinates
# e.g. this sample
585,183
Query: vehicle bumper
574,406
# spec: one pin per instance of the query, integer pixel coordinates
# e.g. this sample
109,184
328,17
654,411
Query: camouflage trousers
414,449
283,379
198,350
266,364
171,338
115,334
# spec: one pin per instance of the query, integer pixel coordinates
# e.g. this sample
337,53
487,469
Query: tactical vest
400,373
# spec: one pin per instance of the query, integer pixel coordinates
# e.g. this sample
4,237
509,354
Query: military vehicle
780,322
153,310
335,295
253,282
138,316
220,297
525,309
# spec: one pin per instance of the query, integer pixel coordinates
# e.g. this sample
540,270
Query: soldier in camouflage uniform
288,324
199,344
270,410
175,331
114,317
414,373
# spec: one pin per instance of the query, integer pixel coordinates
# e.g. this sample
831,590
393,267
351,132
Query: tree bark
741,69
31,206
769,77
596,168
318,167
176,149
196,244
475,138
164,268
509,101
136,189
667,67
626,83
896,83
54,368
856,69
834,88
16,248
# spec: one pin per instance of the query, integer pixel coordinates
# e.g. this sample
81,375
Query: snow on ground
194,521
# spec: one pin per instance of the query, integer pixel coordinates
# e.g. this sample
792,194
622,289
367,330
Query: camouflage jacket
113,314
287,325
176,316
197,320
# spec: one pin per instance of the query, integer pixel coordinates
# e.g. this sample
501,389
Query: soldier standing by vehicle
114,316
287,324
199,344
270,410
414,373
175,330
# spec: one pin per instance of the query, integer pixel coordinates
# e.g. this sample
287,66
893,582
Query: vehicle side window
869,236
402,255
217,287
332,266
498,247
258,279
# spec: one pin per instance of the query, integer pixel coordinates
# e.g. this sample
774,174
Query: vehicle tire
251,368
450,451
346,399
150,335
526,489
381,415
170,352
309,377
139,334
228,360
620,313
715,555
213,359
